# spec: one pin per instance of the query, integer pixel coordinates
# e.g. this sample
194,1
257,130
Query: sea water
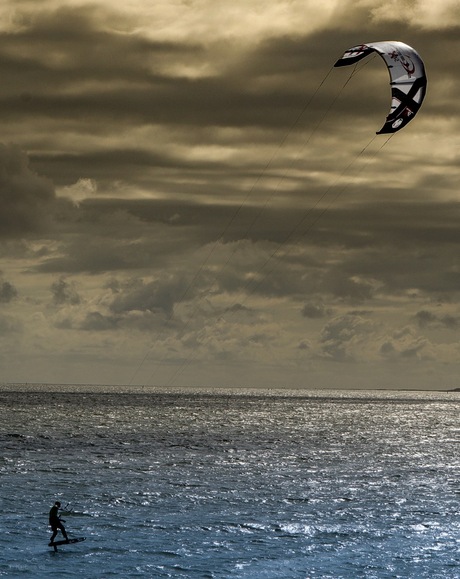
236,484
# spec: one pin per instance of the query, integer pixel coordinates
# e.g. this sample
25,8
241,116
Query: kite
407,79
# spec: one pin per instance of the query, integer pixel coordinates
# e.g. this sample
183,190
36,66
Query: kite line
252,285
250,191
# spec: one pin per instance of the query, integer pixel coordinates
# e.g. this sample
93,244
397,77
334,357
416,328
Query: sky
191,195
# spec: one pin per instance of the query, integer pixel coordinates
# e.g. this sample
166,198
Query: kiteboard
65,542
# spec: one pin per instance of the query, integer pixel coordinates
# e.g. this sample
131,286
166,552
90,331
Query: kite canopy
407,79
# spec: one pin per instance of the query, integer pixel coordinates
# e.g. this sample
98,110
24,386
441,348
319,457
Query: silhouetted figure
56,523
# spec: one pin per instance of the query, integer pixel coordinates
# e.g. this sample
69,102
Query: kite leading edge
407,79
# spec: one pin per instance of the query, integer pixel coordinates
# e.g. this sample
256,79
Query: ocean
230,484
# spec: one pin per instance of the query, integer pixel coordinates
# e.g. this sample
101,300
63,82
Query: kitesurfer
56,522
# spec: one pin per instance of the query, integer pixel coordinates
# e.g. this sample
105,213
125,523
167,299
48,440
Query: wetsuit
56,524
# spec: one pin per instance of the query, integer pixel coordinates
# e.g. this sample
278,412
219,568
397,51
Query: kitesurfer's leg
63,531
55,532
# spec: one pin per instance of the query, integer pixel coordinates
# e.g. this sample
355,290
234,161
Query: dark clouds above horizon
189,195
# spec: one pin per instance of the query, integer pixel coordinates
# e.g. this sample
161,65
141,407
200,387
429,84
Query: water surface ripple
231,484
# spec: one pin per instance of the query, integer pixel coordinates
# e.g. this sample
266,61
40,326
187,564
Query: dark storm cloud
26,198
93,256
385,219
385,247
228,221
100,77
97,72
134,303
7,292
340,336
405,345
152,169
152,296
72,65
97,322
401,244
426,319
64,292
111,235
314,311
71,45
79,69
115,234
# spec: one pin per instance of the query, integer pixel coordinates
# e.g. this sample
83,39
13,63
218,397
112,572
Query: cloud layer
191,195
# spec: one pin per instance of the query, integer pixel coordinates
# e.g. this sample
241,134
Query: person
56,523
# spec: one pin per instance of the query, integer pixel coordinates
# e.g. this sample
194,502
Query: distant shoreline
139,388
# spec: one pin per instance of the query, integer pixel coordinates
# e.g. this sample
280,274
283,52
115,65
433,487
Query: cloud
9,325
353,288
97,322
26,199
342,339
207,187
7,292
431,15
405,344
157,295
64,293
77,192
426,319
314,311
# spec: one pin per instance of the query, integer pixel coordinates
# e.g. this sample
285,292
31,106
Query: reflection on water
231,484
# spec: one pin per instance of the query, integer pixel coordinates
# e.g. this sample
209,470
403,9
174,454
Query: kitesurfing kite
407,79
